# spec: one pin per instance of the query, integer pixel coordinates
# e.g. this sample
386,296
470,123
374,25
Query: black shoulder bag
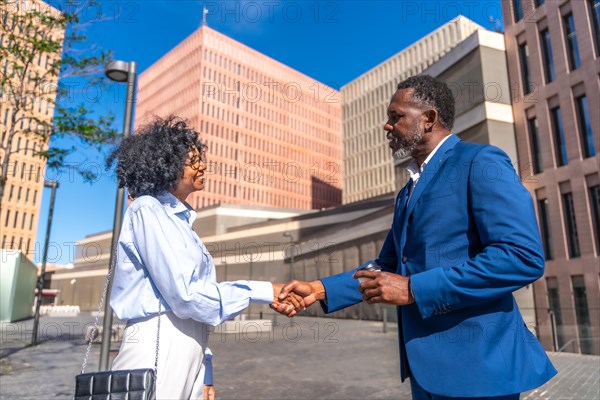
132,384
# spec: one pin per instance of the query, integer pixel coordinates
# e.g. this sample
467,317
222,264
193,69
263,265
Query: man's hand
308,292
287,305
385,287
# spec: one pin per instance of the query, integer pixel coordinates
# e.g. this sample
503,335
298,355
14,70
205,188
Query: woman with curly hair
163,268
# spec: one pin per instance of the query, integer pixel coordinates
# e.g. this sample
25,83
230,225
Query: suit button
404,260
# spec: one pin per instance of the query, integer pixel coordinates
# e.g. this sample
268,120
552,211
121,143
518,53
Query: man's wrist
319,290
411,294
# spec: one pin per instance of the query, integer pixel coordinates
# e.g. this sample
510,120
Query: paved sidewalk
305,358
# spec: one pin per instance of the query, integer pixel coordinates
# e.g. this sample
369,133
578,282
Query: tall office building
273,134
368,167
21,201
553,50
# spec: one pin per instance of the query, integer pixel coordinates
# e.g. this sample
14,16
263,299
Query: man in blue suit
463,238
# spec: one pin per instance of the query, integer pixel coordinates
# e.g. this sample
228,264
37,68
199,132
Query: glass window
594,193
560,149
571,39
544,218
585,128
518,10
549,71
536,157
582,313
571,225
595,13
554,307
525,76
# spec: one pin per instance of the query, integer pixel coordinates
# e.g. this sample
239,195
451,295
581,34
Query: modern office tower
273,134
21,201
368,167
553,50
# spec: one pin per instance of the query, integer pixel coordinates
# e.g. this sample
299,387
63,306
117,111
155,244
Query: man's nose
388,127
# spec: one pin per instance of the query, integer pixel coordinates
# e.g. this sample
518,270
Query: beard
406,143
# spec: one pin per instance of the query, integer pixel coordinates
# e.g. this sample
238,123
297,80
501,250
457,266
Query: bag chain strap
95,330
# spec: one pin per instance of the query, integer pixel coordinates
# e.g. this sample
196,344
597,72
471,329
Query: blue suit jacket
468,238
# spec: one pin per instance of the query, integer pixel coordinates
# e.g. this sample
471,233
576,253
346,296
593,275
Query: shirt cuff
208,368
261,292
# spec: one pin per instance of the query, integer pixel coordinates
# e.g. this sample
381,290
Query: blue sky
331,41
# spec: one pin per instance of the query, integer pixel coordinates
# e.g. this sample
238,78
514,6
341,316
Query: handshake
375,287
295,296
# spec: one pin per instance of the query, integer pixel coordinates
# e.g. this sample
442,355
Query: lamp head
117,71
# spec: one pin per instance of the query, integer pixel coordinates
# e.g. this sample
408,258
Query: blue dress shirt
161,258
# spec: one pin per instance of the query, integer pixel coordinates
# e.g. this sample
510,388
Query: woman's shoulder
145,201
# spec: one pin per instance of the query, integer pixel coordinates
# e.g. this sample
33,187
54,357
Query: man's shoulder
471,150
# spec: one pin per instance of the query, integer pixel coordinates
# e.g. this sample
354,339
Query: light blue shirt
160,257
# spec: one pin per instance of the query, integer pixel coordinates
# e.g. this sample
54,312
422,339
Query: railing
579,345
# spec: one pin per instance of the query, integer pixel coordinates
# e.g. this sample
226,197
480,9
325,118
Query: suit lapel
400,209
430,171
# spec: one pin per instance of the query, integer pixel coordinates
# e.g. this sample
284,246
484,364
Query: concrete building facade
273,134
368,168
20,204
553,51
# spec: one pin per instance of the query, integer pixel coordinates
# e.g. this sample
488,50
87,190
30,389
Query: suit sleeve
172,272
511,255
342,289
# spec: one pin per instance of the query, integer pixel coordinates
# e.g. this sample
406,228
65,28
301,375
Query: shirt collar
179,208
415,170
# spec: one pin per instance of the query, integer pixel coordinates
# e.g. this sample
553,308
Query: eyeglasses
196,161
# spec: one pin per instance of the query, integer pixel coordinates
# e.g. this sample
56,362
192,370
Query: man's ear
429,119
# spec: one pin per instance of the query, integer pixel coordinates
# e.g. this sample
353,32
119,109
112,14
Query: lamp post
40,282
117,71
289,235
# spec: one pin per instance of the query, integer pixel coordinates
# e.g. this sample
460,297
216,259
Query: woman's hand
209,392
289,305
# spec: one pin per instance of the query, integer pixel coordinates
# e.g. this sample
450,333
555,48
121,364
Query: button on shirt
161,258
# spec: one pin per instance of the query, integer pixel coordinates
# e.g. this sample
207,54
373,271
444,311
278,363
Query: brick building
553,50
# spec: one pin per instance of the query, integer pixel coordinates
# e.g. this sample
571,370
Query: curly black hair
432,93
152,161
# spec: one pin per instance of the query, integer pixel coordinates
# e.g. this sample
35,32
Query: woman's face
193,175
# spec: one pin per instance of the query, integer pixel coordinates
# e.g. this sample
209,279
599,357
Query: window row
256,87
26,173
254,196
276,109
15,242
267,133
374,99
26,147
27,124
22,194
584,128
14,221
548,55
570,222
368,180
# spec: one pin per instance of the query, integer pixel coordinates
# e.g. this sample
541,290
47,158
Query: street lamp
40,283
117,71
289,235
